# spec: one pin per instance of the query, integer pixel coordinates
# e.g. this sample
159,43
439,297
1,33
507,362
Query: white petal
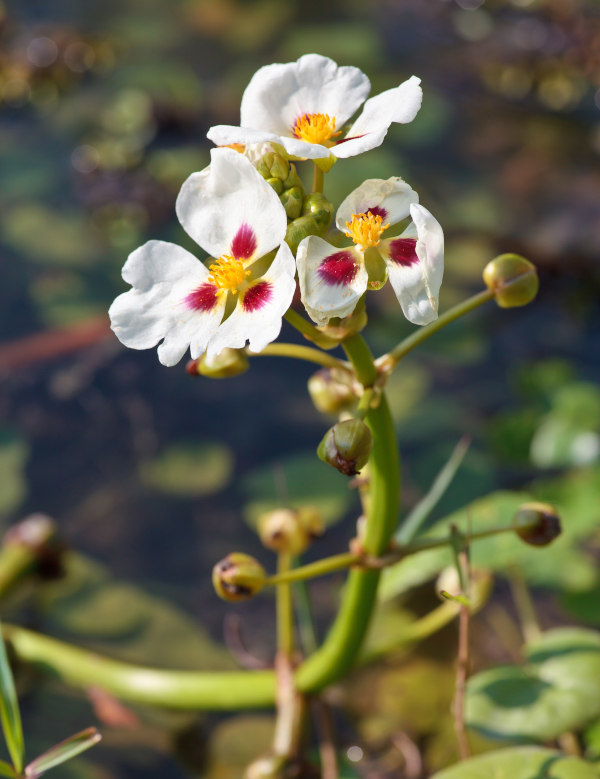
213,205
226,134
400,104
162,276
417,285
261,325
392,196
278,94
337,297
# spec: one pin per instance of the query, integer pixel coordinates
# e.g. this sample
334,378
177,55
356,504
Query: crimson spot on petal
377,211
402,251
257,296
244,243
203,298
338,269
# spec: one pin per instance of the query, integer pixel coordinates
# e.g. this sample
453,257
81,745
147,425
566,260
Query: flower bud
320,208
331,390
346,446
281,531
273,165
277,184
238,577
537,524
291,200
293,179
299,229
229,362
513,280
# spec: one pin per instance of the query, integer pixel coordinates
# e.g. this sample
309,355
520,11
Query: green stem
190,690
389,361
364,403
285,610
319,568
300,353
309,331
318,178
342,645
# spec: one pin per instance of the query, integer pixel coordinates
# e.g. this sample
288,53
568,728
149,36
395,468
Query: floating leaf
557,690
62,752
9,712
300,480
189,469
520,763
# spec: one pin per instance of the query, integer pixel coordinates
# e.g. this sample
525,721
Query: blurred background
153,476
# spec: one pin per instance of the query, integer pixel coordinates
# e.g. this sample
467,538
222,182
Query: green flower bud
311,519
277,184
229,362
299,229
273,165
320,208
331,390
338,329
346,446
281,531
512,279
537,524
293,179
238,577
292,201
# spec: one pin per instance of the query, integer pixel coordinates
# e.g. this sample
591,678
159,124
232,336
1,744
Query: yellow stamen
366,229
227,274
314,128
239,147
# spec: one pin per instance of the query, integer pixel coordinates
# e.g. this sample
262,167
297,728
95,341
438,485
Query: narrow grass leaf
416,518
62,752
9,712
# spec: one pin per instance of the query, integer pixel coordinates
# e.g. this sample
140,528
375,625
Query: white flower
332,279
231,211
304,105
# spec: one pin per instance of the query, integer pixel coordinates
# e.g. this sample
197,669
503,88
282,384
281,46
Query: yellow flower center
227,274
366,229
315,128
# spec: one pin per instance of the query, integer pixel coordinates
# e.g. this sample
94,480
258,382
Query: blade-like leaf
9,712
414,521
7,770
62,752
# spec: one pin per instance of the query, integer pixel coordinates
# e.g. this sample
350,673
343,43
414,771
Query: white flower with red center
332,280
235,216
304,105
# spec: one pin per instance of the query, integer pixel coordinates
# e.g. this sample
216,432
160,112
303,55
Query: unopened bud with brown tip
331,390
346,446
281,531
512,279
228,363
238,577
537,524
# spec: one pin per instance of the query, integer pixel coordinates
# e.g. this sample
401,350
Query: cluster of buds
290,530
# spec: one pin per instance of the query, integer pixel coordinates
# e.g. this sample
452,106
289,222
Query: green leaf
63,751
189,470
287,483
9,711
7,770
520,763
414,521
557,690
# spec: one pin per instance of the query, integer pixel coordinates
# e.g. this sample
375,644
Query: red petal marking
402,251
203,298
338,269
354,137
377,211
244,243
257,296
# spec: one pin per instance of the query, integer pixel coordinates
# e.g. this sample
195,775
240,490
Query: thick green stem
318,178
389,361
300,353
343,643
216,690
